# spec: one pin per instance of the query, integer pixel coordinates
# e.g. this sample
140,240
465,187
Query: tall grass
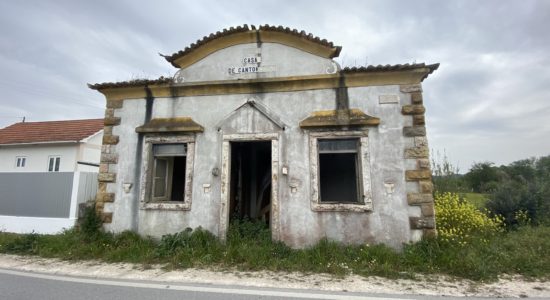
525,251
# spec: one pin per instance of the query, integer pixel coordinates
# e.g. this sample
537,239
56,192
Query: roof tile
232,30
50,131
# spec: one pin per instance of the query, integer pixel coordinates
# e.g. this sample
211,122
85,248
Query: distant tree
542,166
511,197
522,187
482,177
523,170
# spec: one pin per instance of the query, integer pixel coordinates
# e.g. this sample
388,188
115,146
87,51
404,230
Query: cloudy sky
489,100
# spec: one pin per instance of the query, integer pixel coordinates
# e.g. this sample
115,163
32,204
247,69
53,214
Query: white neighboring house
46,170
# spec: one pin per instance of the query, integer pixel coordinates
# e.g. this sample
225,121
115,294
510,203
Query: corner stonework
108,162
423,196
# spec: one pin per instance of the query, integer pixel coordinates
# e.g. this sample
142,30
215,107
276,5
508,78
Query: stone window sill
342,207
165,205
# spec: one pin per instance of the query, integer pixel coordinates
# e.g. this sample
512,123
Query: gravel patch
440,285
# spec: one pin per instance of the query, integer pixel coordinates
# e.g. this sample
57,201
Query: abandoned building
262,123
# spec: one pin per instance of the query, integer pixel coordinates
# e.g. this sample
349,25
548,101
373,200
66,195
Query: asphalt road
30,286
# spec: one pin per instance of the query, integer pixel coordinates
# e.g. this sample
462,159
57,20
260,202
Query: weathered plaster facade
296,97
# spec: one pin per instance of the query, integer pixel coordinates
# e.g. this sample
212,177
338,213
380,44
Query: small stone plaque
388,99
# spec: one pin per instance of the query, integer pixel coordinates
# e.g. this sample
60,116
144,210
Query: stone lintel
335,118
180,124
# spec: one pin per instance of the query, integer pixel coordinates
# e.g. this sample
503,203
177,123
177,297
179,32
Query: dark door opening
250,184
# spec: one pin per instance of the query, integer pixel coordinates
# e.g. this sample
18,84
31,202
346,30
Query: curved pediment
248,35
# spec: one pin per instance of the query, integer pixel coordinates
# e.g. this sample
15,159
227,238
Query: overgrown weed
248,247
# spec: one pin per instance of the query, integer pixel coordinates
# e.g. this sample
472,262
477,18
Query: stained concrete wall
280,60
299,224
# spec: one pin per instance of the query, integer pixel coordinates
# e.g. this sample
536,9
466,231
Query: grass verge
477,199
525,251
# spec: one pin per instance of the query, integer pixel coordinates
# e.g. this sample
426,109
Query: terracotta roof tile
51,131
129,83
384,68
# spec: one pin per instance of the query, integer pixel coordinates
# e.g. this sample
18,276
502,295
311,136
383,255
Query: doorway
250,183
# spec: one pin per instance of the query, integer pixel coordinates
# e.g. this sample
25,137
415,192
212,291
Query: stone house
262,123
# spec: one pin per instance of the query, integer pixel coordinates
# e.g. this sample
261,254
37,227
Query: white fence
43,202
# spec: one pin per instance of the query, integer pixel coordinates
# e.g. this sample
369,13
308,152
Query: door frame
226,179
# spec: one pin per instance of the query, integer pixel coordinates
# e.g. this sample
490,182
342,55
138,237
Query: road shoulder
510,286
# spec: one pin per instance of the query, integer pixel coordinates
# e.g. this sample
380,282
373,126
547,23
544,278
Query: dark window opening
339,171
178,178
250,184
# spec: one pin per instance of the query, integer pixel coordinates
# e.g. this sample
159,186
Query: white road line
217,290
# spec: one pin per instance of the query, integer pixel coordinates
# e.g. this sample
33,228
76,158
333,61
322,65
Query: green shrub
91,224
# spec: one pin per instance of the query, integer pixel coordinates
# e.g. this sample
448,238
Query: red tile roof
52,131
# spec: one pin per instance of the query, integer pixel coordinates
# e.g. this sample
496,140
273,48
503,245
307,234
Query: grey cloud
492,84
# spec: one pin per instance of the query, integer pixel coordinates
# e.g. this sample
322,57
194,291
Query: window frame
147,200
363,170
20,162
56,162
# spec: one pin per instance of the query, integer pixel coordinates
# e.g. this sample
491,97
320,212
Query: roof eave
243,35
